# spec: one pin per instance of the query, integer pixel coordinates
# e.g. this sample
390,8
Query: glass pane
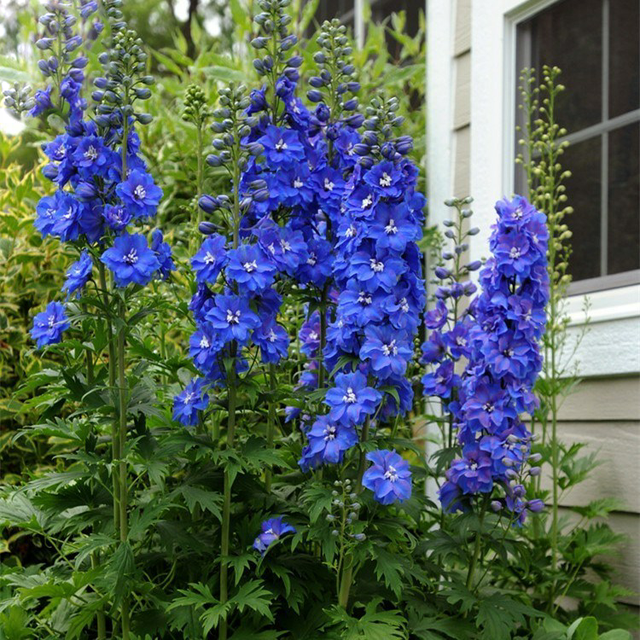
624,56
624,199
583,191
569,35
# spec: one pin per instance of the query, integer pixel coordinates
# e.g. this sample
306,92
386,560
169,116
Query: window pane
583,191
569,35
624,56
624,199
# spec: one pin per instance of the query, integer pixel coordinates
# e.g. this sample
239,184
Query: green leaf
254,596
210,501
616,634
388,568
14,75
586,629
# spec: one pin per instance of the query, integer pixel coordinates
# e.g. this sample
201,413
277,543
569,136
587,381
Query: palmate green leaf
373,625
18,510
120,569
240,563
210,501
213,615
252,595
388,568
80,621
498,616
13,624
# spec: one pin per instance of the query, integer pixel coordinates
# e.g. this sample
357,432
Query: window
596,43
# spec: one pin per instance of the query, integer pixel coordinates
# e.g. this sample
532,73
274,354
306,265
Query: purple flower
131,260
389,477
204,347
272,530
49,325
442,382
163,253
386,179
273,341
351,398
117,216
282,147
140,194
187,404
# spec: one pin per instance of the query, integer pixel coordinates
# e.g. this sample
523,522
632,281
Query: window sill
618,303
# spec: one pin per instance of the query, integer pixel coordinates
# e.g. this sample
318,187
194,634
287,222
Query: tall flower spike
503,363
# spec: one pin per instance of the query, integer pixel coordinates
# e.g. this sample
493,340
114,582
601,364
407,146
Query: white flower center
390,349
312,260
131,257
285,245
488,407
91,153
272,336
472,465
297,183
313,335
330,433
209,258
376,265
385,180
139,192
517,213
51,322
249,267
364,298
281,145
328,185
188,399
350,232
514,253
233,317
391,228
350,396
391,474
367,202
204,343
404,305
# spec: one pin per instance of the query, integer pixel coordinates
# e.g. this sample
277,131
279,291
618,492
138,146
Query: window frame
610,347
599,130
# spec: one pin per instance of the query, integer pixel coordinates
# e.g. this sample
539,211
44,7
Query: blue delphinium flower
163,254
328,441
389,477
505,324
282,147
191,400
210,259
272,529
131,260
387,349
232,317
250,267
117,216
49,325
273,341
140,193
78,273
351,398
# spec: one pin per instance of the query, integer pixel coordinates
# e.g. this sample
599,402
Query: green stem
226,506
115,439
271,424
476,549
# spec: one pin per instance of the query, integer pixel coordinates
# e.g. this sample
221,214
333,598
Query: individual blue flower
49,325
441,382
67,224
204,347
273,341
43,102
116,216
209,259
327,442
388,350
317,267
386,179
163,253
360,305
282,147
352,398
233,318
389,477
140,193
131,260
472,472
392,228
187,404
250,268
272,530
376,272
78,273
46,213
91,157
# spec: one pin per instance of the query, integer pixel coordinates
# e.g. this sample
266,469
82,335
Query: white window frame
612,344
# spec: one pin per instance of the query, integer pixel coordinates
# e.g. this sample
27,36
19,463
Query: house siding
603,412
